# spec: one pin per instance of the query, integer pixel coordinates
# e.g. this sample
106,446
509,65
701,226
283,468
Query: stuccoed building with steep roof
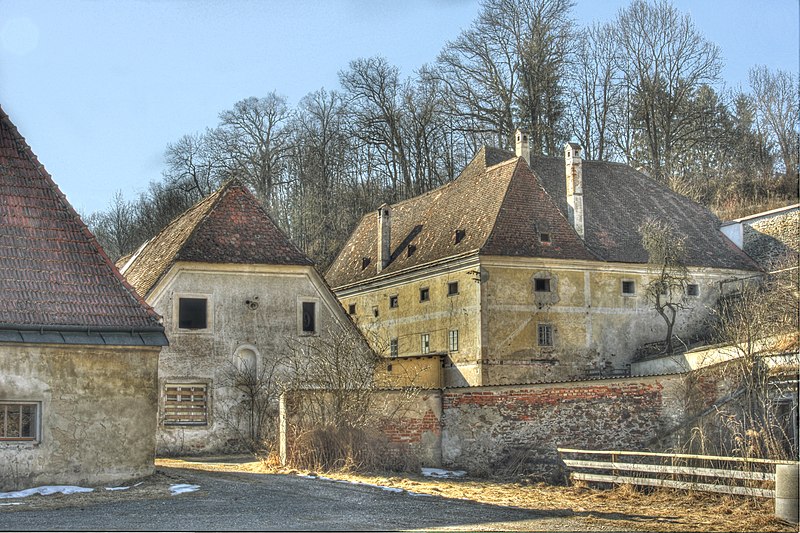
235,295
526,269
78,348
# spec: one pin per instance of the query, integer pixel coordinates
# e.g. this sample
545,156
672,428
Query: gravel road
240,501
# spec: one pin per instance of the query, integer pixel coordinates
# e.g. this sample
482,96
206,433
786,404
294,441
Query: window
541,284
459,235
452,340
185,404
393,302
309,317
426,343
424,294
19,421
393,348
545,335
192,313
544,238
452,288
375,312
693,289
628,287
351,309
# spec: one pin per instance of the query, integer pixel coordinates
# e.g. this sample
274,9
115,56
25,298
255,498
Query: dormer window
459,235
364,262
411,249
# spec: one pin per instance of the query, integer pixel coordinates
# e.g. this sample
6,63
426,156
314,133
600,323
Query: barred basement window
185,404
19,421
545,335
628,287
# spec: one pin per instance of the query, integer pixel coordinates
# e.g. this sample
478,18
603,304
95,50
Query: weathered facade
78,348
234,293
771,238
526,270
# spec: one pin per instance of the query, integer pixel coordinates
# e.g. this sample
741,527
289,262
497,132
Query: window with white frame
186,404
452,340
545,335
393,348
426,343
19,421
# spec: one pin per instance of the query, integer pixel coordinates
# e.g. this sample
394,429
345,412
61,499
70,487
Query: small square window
393,302
545,335
628,287
19,421
309,317
375,311
452,340
452,288
693,289
544,238
541,284
426,343
192,313
393,351
424,294
351,309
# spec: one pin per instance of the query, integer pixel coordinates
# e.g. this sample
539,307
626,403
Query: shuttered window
186,404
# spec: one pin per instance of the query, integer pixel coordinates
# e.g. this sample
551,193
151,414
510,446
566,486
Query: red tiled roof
228,226
503,204
53,273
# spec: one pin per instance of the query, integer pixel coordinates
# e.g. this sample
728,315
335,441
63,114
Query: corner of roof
26,150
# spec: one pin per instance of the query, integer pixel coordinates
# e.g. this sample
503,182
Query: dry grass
621,508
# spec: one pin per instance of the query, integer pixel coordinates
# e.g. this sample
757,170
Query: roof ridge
26,151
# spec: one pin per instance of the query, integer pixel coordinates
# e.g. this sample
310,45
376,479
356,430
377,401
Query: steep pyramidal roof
228,226
501,205
54,276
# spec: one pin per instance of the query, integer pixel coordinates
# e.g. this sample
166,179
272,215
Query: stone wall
490,429
97,410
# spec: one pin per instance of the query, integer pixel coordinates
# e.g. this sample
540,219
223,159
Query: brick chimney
522,147
572,159
384,236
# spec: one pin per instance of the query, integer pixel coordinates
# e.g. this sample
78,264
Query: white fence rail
707,473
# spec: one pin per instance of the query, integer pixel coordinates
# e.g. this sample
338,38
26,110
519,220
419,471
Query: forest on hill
643,89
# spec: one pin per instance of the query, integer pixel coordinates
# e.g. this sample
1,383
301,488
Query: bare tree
777,101
115,228
193,165
666,61
667,291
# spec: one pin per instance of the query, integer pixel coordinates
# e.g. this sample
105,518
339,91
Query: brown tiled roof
229,226
503,204
618,199
53,274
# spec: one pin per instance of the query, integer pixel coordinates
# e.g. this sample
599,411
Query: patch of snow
45,491
441,473
11,503
181,488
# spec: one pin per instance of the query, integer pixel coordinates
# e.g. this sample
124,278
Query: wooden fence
706,473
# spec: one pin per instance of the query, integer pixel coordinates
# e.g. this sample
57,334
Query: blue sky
99,88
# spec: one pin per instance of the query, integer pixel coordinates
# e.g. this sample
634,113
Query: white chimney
522,146
384,236
572,159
